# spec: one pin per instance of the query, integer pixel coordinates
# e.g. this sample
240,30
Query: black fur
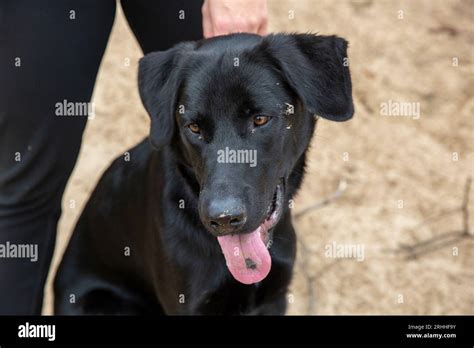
175,264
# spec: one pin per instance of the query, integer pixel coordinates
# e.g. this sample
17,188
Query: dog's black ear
316,68
159,78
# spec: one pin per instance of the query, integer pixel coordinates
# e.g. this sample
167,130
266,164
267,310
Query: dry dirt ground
405,176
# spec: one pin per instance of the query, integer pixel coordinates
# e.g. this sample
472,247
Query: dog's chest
230,299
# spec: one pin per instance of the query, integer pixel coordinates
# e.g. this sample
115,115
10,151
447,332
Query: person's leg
160,24
50,52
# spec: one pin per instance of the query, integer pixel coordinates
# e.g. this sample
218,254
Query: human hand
222,17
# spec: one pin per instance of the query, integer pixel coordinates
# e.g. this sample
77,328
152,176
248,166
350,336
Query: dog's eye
194,127
260,120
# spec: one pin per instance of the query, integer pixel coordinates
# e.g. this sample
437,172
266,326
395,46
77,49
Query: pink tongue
246,256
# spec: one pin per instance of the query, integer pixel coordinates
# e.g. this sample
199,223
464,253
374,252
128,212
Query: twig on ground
309,278
434,243
335,195
304,255
465,206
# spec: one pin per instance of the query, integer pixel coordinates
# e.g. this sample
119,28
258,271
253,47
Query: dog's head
241,109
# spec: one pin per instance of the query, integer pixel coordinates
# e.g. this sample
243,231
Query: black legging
46,57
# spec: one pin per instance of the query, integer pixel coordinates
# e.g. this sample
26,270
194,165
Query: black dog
184,227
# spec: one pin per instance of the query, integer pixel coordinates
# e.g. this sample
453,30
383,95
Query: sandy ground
405,177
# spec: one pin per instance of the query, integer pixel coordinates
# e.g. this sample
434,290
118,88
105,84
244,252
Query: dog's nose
226,216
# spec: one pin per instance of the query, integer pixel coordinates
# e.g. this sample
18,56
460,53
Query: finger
239,25
223,26
263,28
253,24
206,21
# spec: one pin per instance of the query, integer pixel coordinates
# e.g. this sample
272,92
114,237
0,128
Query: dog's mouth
247,256
274,211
